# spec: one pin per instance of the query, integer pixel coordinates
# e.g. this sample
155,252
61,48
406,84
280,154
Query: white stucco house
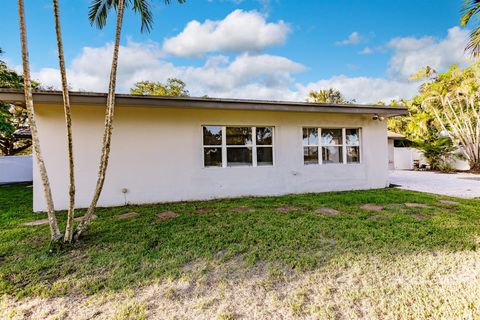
178,148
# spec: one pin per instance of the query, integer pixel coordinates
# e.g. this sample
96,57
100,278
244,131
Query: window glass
239,156
265,136
264,156
239,136
331,137
212,135
332,155
310,136
352,137
212,157
353,154
310,155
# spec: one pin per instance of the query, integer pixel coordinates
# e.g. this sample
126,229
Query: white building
172,149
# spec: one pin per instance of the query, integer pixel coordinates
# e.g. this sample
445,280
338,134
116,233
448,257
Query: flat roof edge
17,96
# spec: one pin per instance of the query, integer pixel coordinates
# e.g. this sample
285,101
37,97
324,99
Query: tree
98,13
173,88
330,95
55,234
68,123
471,9
12,117
454,98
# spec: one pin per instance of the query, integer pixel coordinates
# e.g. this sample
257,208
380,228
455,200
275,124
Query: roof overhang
91,98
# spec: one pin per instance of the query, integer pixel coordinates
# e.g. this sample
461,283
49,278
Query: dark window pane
264,136
352,137
332,155
264,156
310,155
353,154
212,135
239,157
310,136
331,136
239,135
212,157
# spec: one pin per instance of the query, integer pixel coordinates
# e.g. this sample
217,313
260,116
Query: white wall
157,155
404,158
16,169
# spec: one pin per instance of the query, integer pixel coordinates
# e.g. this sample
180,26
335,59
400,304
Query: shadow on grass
118,254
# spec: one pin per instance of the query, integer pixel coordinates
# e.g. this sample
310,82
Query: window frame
224,146
344,145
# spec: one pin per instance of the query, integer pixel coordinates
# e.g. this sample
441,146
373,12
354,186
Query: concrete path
462,185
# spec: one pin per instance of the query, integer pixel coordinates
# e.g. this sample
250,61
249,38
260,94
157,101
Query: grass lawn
272,257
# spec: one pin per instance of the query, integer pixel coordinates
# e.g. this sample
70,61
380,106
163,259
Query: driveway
462,185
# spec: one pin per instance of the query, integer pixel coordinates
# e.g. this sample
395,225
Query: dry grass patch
328,211
416,205
372,207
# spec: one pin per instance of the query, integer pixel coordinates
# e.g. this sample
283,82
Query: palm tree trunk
54,230
68,121
107,135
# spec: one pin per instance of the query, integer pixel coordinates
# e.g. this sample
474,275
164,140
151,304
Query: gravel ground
462,185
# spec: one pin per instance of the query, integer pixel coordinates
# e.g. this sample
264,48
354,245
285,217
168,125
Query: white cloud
364,89
353,38
411,54
240,31
367,50
247,75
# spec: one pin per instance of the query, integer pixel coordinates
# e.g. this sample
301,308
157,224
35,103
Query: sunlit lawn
276,251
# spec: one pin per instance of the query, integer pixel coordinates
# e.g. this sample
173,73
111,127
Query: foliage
453,98
471,9
12,117
330,95
118,254
438,152
172,88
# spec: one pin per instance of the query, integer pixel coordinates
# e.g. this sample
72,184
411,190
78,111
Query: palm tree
98,13
55,234
470,9
68,121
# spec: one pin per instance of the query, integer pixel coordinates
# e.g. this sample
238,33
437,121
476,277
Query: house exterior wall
157,155
15,169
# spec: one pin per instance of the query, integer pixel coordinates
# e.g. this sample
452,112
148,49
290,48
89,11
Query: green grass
125,254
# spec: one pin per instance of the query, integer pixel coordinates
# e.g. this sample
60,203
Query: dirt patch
371,207
242,209
286,209
203,210
449,202
166,215
328,211
419,216
415,205
127,215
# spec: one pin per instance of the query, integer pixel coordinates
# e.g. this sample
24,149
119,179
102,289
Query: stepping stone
166,215
242,209
127,215
372,207
449,202
416,205
78,219
328,211
286,209
203,210
35,223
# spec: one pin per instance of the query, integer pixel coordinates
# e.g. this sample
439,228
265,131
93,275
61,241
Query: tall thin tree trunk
107,135
68,121
54,230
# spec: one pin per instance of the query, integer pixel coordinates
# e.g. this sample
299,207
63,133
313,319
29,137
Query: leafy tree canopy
330,95
172,88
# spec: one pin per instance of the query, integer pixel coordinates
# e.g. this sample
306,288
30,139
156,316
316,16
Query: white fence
404,158
16,169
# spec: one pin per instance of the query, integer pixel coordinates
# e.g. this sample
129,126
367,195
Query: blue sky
277,49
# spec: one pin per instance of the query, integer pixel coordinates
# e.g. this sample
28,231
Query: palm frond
470,8
98,12
473,45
